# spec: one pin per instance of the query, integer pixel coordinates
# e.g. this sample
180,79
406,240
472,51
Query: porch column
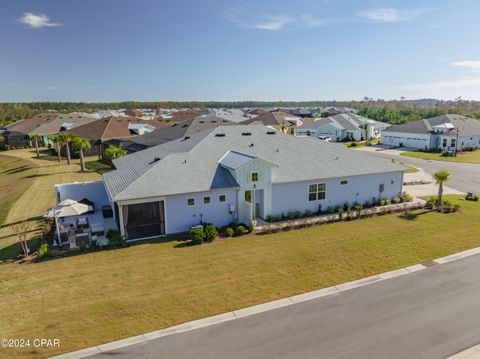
120,217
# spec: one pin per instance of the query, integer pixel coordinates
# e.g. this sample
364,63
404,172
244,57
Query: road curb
265,307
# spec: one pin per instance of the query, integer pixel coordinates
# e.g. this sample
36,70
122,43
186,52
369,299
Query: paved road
429,314
465,176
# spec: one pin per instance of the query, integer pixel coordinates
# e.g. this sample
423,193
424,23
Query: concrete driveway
465,177
429,314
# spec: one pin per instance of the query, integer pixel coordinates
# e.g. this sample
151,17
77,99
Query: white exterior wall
179,216
290,197
264,183
469,141
414,140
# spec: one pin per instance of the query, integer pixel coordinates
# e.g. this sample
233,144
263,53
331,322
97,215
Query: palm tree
67,138
81,144
36,138
440,178
57,141
113,152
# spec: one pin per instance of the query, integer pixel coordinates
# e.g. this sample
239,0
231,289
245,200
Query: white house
346,126
445,132
236,174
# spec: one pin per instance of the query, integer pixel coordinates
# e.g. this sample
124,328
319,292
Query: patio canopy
68,208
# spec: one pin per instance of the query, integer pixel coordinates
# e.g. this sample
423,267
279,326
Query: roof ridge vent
246,133
156,159
271,132
220,134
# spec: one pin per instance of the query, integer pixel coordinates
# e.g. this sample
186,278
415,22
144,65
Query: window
254,176
206,200
452,142
344,182
191,202
444,142
316,192
222,198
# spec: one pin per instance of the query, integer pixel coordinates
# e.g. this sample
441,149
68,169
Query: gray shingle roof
192,165
466,125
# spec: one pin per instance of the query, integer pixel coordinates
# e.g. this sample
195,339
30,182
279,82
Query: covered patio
83,213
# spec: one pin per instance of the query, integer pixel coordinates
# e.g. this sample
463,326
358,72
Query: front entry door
250,198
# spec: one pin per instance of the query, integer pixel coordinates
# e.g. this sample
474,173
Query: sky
152,50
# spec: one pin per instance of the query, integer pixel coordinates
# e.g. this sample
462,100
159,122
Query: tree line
391,111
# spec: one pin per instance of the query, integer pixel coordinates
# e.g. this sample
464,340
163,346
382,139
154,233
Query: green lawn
466,157
103,296
98,166
26,192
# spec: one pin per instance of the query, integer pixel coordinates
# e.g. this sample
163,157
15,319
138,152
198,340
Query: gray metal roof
234,159
187,166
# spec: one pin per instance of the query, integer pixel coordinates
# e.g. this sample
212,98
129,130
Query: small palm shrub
229,232
43,250
114,237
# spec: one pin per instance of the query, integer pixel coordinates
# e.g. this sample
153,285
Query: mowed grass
465,157
104,296
26,191
98,166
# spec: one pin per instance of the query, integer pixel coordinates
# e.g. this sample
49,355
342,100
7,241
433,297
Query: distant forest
393,111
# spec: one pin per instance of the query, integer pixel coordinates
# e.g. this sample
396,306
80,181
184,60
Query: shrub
358,207
330,210
406,197
43,250
196,235
346,206
388,201
94,245
308,213
382,202
367,204
396,200
251,227
229,232
114,237
319,210
472,197
294,215
445,153
240,230
209,232
340,212
55,252
353,144
233,225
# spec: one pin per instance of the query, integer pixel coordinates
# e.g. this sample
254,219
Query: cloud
272,23
250,18
468,64
36,21
51,88
466,85
388,15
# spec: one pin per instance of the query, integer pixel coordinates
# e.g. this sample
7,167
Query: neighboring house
99,131
17,133
445,132
302,112
230,114
176,131
239,173
343,127
61,123
332,111
276,119
179,116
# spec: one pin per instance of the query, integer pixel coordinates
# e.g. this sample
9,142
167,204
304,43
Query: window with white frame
254,176
191,202
317,191
206,200
343,182
222,198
